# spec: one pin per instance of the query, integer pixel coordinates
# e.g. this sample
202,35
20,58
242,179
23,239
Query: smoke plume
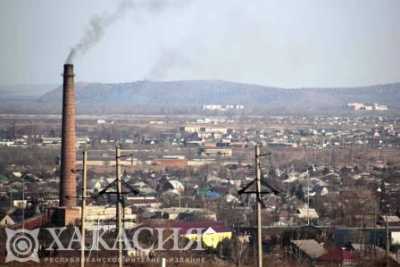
170,58
98,24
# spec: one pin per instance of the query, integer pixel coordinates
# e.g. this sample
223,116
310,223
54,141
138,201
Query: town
337,179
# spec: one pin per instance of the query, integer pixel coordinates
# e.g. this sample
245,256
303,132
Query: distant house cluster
222,107
357,106
44,141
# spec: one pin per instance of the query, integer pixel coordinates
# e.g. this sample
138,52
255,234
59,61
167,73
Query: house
175,213
107,216
207,193
6,220
6,143
215,151
143,202
229,198
144,188
390,220
307,213
306,250
212,234
15,216
170,163
339,256
51,140
166,185
20,204
200,162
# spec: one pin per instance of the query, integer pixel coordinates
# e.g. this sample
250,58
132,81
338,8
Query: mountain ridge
190,95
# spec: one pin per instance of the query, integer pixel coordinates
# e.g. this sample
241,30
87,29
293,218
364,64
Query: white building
357,106
379,107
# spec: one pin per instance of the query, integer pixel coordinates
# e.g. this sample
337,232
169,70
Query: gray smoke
169,59
99,23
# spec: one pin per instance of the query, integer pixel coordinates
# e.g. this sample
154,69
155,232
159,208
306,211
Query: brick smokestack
68,149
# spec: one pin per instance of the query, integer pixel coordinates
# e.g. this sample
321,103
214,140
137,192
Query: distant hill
189,96
24,91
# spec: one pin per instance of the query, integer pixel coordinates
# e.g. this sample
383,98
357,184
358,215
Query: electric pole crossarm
104,191
243,190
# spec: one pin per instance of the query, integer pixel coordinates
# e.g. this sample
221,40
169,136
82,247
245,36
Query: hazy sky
289,43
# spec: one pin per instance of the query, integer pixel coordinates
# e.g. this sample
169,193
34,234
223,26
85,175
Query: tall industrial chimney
68,149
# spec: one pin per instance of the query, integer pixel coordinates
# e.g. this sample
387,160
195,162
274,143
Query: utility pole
387,239
23,202
375,219
117,185
83,207
308,198
248,189
259,223
119,206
